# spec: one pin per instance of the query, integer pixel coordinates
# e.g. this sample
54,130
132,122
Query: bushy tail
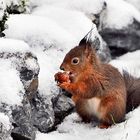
133,91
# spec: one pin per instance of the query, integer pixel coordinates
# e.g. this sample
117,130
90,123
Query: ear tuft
92,38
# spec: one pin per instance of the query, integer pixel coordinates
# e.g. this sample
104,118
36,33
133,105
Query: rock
23,127
121,36
50,110
121,41
62,106
42,113
5,127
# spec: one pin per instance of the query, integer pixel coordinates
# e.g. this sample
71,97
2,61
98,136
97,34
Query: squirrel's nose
62,68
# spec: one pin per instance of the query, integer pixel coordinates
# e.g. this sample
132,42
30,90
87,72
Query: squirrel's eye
75,61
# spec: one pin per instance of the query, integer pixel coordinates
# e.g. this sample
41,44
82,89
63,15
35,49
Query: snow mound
37,31
86,6
74,22
119,14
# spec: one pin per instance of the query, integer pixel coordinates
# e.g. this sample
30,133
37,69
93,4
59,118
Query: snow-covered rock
112,18
23,61
18,84
17,6
120,27
11,7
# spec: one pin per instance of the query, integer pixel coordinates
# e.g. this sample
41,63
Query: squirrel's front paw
64,85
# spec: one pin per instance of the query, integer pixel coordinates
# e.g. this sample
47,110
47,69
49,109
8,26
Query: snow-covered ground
53,28
72,129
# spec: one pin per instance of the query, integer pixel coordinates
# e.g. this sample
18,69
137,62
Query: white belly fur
92,106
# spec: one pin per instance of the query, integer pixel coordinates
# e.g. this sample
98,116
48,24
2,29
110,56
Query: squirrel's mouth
72,76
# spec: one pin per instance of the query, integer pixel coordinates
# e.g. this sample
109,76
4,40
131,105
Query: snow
136,3
72,21
5,120
129,62
119,14
37,31
13,45
86,6
73,128
31,64
11,88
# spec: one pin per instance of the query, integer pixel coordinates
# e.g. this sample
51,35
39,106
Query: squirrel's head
79,60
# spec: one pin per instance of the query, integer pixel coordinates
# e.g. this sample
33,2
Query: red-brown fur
92,79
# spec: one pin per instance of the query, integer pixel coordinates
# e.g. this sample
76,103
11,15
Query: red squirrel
100,92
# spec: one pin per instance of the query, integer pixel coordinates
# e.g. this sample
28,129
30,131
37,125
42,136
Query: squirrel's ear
92,39
83,42
88,50
86,44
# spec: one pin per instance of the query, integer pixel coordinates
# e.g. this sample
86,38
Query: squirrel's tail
133,91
